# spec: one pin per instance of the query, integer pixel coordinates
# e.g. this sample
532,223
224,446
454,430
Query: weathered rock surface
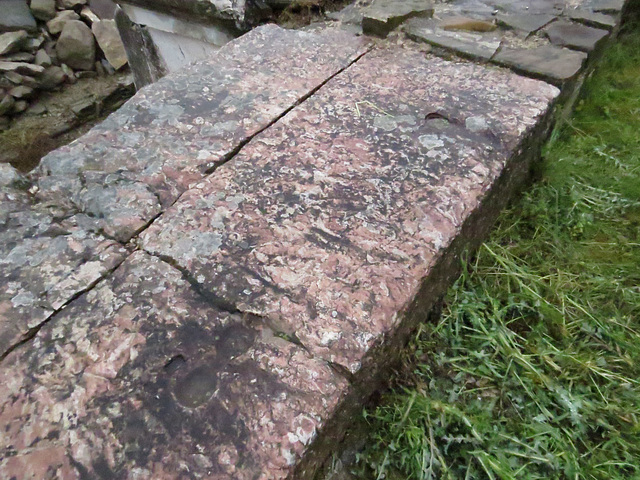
109,42
556,65
325,224
382,16
76,46
177,387
149,152
592,19
526,23
466,44
12,41
16,16
575,36
43,10
56,25
20,68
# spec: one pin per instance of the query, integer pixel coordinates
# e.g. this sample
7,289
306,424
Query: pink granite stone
137,162
327,224
141,378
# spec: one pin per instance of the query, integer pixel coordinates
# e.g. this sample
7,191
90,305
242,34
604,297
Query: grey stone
43,59
76,46
382,16
20,67
20,57
5,123
6,104
574,35
34,43
88,16
16,16
37,109
593,19
605,6
14,78
8,175
12,41
526,23
554,64
20,106
52,78
69,4
466,44
109,41
43,9
56,25
105,9
21,91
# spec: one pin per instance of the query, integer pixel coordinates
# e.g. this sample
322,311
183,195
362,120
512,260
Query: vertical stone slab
327,224
141,378
129,168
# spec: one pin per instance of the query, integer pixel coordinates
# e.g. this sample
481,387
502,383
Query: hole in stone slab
197,387
174,364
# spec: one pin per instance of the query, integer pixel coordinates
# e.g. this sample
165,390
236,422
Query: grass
533,371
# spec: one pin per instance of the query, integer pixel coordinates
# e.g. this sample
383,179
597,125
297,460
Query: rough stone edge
342,432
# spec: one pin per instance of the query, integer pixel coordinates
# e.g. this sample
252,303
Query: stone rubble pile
45,44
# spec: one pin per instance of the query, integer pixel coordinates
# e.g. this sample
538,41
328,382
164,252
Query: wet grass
533,371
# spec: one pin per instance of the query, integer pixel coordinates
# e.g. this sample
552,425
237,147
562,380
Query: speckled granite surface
266,222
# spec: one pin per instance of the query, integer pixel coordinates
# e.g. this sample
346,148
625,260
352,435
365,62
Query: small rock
6,104
34,43
14,78
105,9
37,109
43,59
88,16
76,46
20,106
9,175
21,91
16,16
5,123
30,81
70,4
20,67
109,70
382,16
85,107
56,25
13,41
468,24
5,83
108,39
52,78
43,9
20,57
100,69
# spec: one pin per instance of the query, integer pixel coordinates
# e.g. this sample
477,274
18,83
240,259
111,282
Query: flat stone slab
382,16
16,15
554,64
593,19
47,257
137,162
142,378
466,44
326,224
574,35
526,23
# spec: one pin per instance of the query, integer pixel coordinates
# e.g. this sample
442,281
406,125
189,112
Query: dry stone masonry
211,282
46,44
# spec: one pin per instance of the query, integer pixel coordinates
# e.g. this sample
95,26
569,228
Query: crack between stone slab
228,156
231,308
31,334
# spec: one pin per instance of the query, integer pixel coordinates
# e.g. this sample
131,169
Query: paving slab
593,19
466,44
141,378
526,23
575,35
326,224
382,16
137,162
554,64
